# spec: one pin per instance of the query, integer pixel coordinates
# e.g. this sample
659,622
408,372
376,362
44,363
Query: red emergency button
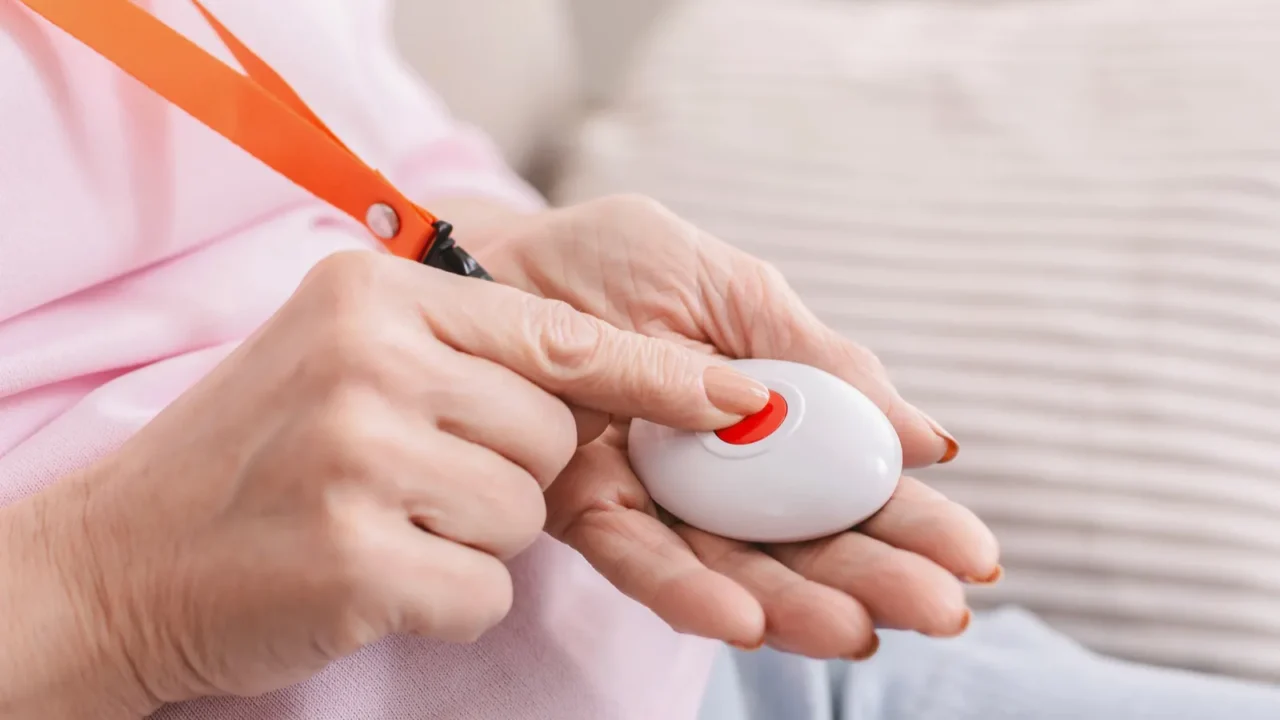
754,428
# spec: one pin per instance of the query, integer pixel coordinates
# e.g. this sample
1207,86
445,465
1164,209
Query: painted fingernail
953,447
866,653
733,392
991,579
747,648
965,621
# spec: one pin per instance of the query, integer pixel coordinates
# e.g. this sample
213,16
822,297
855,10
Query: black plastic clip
445,254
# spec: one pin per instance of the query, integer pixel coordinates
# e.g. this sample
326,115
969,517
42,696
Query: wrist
62,657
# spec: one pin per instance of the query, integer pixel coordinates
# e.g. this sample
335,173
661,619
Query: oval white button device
818,459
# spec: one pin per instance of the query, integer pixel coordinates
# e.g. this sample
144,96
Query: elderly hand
359,467
632,263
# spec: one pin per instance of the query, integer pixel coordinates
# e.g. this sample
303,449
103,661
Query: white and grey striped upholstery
1058,222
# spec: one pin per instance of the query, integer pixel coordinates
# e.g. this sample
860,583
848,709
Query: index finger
586,361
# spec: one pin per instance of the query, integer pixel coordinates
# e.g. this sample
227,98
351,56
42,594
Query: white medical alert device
817,460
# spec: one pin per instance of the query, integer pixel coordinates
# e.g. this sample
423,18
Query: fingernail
872,648
747,648
991,579
733,392
953,447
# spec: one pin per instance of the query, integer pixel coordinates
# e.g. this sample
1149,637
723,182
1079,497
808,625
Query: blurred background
1055,220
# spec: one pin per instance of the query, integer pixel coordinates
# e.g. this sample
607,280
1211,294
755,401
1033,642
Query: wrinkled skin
311,459
271,519
634,264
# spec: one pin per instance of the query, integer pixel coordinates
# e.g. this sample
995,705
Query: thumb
783,328
592,364
924,441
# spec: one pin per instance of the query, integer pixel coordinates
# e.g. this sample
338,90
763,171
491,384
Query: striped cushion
1058,222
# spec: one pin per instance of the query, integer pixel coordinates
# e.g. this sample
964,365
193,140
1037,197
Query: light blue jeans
1009,666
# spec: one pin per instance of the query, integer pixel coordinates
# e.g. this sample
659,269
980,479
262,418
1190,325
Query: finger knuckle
632,206
523,512
487,597
515,509
344,280
861,359
762,288
565,342
356,593
356,619
642,216
354,630
770,275
561,445
548,432
345,334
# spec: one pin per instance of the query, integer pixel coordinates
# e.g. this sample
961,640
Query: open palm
632,263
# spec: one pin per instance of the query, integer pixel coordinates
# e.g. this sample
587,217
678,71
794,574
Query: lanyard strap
259,112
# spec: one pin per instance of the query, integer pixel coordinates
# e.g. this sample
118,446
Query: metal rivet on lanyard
382,221
262,114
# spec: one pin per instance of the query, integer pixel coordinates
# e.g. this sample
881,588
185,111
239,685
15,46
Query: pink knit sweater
137,248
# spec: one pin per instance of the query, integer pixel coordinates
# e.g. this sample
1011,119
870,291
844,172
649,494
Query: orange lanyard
262,114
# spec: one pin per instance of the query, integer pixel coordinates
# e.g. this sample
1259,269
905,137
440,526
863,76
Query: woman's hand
629,261
361,466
